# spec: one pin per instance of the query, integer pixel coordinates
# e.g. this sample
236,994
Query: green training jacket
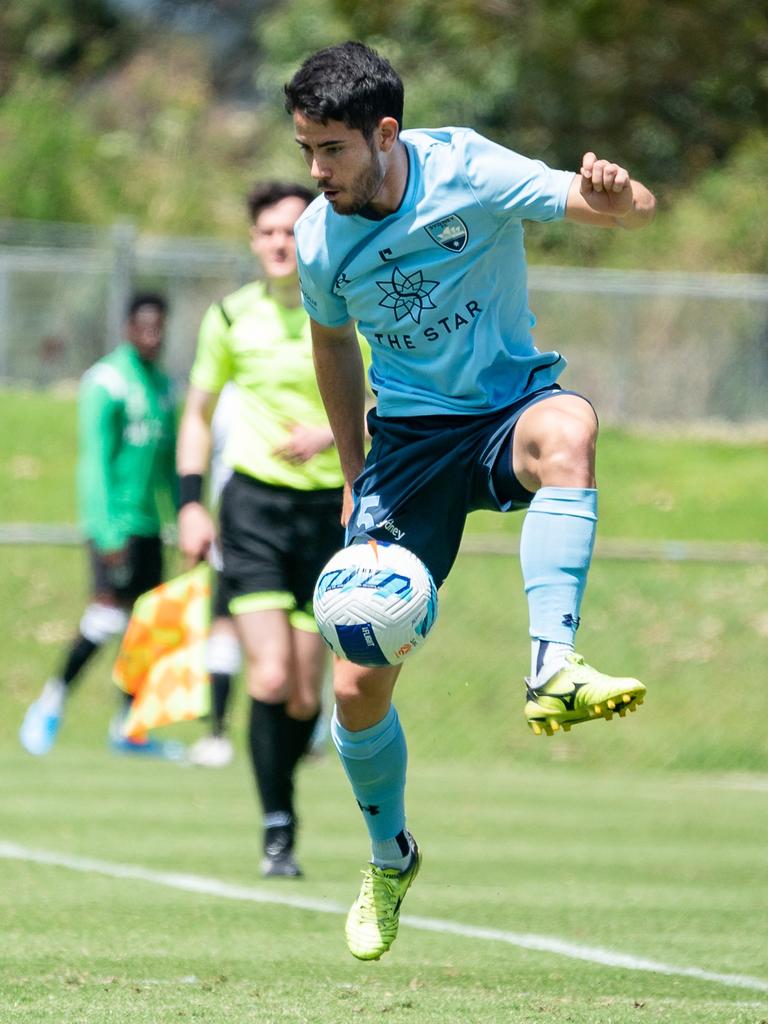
126,448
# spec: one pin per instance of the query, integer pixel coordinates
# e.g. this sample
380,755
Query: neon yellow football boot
374,917
579,693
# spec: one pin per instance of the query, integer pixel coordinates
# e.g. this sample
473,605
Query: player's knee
347,690
303,707
567,452
355,699
269,681
101,622
573,449
363,695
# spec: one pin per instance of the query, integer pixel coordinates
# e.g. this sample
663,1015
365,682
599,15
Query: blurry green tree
667,88
76,38
103,116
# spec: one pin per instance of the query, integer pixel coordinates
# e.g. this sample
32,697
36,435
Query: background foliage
164,111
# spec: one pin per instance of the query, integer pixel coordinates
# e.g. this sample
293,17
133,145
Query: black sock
298,733
80,653
221,685
268,738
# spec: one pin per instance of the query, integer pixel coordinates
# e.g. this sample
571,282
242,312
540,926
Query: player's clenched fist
602,175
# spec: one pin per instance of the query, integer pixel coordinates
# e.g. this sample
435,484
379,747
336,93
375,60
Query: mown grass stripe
226,890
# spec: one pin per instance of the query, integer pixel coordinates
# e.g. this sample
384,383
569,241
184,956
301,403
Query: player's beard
362,189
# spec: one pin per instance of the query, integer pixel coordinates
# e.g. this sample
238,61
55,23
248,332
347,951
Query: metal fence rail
665,348
67,535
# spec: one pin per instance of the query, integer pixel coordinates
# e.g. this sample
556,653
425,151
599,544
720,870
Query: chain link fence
64,290
669,349
645,347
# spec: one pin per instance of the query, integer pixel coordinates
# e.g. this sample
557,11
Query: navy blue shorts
424,474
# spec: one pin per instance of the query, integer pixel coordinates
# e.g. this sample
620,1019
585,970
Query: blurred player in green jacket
126,443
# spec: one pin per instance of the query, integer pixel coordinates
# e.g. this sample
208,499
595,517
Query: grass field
695,634
651,487
614,875
668,870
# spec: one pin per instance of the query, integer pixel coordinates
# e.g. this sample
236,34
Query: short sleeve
212,367
320,303
504,182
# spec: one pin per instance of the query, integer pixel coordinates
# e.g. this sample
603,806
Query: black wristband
190,489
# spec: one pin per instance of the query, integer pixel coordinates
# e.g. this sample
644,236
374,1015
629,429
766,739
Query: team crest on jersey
449,233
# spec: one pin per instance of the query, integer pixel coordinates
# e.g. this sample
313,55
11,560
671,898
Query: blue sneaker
166,750
43,719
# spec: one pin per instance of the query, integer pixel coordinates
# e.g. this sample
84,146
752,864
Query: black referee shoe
278,859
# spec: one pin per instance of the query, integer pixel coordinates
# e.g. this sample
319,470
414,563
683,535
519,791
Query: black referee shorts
275,541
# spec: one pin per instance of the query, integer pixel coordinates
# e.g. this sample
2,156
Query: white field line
226,890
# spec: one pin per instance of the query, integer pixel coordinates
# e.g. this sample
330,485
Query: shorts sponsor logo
390,527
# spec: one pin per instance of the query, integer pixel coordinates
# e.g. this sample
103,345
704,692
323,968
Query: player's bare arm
603,194
341,380
197,530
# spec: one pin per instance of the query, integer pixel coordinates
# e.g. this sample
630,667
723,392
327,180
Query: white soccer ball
375,603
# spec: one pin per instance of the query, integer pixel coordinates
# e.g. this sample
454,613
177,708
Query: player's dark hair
140,299
350,83
267,193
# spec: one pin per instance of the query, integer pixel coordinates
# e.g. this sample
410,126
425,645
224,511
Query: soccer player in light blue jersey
418,238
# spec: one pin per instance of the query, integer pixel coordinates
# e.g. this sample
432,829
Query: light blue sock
375,761
556,545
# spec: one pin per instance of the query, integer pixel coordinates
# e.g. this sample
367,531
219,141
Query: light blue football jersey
439,287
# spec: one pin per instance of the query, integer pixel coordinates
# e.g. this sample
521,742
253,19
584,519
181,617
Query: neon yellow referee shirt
265,349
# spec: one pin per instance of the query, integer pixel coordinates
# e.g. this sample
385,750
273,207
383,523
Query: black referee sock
277,744
298,733
79,654
268,740
221,686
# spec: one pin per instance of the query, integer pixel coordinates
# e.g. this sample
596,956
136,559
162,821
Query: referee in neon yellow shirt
280,515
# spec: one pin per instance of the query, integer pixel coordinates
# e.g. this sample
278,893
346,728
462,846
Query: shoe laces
376,881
